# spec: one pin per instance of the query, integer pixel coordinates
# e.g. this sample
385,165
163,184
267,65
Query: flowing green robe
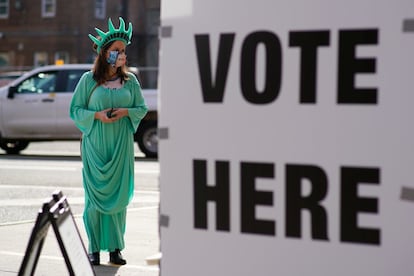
108,157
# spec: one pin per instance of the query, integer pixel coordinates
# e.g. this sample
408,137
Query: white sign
287,143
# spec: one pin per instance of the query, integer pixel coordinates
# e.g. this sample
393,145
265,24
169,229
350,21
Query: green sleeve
139,108
79,112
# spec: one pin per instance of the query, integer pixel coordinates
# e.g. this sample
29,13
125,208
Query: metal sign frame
56,212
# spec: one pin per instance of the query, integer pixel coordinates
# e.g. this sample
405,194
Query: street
28,179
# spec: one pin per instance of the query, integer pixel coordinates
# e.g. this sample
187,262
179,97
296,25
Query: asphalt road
28,179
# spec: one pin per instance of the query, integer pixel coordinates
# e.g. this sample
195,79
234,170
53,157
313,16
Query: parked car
35,107
7,77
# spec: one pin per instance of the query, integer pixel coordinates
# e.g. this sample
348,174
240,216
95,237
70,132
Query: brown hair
101,67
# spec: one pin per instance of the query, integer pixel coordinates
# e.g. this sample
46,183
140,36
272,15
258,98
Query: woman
107,106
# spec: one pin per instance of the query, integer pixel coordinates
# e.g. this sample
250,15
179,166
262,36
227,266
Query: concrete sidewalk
141,240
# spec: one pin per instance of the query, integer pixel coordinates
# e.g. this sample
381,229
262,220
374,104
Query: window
40,59
44,82
4,8
4,59
61,57
100,9
152,21
48,8
73,79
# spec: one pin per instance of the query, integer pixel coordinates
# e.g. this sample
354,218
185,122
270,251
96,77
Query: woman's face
119,47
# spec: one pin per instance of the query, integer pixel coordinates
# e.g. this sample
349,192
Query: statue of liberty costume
107,150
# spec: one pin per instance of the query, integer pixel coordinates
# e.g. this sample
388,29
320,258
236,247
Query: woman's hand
118,113
115,114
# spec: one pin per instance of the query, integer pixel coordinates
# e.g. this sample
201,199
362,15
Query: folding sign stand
57,212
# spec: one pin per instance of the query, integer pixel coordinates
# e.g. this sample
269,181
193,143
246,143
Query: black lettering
273,73
220,194
352,204
349,66
308,41
295,202
213,91
250,198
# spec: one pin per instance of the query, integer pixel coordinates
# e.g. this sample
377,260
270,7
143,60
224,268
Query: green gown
108,157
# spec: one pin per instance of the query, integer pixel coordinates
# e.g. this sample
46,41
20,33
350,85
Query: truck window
73,79
44,82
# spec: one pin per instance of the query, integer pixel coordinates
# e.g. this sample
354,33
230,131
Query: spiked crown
112,34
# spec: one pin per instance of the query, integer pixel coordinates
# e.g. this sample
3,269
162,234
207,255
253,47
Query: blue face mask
113,56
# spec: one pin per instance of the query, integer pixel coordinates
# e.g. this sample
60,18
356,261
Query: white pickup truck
35,107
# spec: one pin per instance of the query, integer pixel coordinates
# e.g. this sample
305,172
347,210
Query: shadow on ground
106,269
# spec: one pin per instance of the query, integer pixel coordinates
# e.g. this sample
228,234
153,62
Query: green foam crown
112,34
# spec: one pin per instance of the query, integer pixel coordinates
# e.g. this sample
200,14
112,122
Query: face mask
113,56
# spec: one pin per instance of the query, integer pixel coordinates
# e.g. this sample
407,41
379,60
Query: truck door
65,126
31,113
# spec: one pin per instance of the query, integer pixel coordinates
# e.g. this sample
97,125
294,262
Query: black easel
56,212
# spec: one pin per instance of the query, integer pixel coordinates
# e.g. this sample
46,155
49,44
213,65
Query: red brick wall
26,32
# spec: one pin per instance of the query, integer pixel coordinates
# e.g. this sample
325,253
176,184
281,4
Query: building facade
40,32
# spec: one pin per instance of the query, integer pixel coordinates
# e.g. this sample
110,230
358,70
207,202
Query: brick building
40,32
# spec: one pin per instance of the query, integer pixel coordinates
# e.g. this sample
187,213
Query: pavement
141,252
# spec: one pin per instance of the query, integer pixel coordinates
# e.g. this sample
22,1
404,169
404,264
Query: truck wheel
147,138
13,147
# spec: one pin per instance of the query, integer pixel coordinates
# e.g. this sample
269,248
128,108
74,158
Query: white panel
286,133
